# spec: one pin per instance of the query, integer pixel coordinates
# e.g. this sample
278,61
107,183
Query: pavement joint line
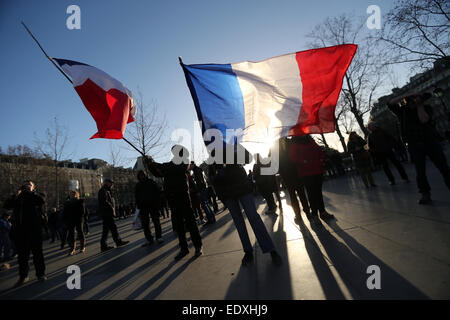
219,253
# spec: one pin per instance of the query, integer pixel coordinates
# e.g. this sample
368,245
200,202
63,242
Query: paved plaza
382,226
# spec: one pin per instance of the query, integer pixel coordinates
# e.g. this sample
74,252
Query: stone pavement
382,226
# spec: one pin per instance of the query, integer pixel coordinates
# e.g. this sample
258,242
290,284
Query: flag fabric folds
108,101
292,94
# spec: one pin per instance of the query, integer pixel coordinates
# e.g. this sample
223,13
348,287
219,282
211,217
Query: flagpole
65,75
45,53
133,146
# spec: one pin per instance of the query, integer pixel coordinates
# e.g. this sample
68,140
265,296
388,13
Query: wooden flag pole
65,75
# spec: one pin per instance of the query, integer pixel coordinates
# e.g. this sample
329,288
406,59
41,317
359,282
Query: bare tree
54,145
367,70
417,31
339,113
148,131
116,158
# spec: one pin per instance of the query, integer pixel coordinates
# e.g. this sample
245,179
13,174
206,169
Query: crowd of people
191,193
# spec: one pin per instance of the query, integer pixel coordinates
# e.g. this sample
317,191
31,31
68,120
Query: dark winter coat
412,129
28,208
106,204
147,195
308,157
380,142
361,156
74,212
231,182
175,178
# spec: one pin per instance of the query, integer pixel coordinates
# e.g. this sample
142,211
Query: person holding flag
177,193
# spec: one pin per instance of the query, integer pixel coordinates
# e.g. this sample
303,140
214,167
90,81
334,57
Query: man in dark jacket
107,210
177,193
423,140
148,201
381,145
27,229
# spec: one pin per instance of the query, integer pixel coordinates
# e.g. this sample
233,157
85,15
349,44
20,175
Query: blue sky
138,43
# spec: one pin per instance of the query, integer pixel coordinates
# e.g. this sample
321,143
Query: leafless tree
338,115
148,131
367,70
116,158
54,145
417,31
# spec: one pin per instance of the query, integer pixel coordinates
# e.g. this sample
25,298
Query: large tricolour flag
292,94
108,101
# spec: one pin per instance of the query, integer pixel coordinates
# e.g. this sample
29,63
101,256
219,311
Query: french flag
292,94
108,101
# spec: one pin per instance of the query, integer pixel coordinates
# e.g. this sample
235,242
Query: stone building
86,176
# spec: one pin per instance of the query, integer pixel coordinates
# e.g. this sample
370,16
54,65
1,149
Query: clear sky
138,43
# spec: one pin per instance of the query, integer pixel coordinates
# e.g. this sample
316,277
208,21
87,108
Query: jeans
248,203
5,246
433,150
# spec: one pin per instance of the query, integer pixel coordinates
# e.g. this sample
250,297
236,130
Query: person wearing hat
419,132
107,211
177,193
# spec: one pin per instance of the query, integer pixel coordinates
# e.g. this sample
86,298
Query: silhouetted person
74,212
107,210
419,132
234,188
361,157
148,201
200,181
309,160
177,193
53,224
265,184
194,194
381,145
27,205
294,184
